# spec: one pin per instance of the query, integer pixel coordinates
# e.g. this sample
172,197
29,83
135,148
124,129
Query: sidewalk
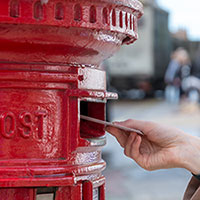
125,179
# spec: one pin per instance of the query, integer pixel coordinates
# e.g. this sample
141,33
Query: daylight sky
183,14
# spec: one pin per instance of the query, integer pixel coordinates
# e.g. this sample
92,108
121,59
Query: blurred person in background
191,84
178,69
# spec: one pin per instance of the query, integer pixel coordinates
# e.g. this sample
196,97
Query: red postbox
50,53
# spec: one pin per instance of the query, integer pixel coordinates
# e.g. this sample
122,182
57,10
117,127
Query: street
125,180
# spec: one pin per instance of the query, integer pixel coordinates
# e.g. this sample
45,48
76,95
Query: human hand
161,147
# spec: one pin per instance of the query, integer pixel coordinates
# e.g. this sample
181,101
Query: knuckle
129,121
149,123
147,168
126,152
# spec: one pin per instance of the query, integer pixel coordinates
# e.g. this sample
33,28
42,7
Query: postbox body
50,57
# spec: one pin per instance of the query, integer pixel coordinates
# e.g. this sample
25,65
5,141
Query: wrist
191,160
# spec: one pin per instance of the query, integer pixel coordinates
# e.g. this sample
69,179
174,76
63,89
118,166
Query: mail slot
95,110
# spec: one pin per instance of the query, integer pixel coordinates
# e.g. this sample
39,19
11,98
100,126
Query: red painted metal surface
50,53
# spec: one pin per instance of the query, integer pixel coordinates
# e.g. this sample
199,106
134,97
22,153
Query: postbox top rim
134,4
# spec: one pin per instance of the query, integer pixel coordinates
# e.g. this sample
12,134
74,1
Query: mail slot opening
95,110
46,193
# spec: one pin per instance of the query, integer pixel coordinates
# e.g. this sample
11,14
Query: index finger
120,135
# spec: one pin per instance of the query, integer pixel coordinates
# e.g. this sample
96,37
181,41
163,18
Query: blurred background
157,79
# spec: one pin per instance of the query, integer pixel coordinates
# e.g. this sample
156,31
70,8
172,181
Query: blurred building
181,34
142,65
